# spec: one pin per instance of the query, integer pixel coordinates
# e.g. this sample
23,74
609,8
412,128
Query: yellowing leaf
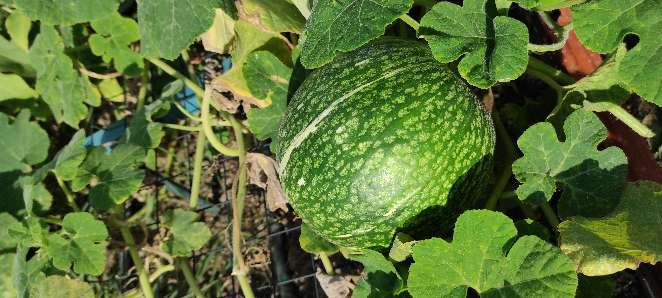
220,34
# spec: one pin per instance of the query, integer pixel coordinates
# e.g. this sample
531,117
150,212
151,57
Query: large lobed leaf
66,12
601,25
483,257
494,49
381,279
344,25
591,180
111,41
169,26
623,239
63,88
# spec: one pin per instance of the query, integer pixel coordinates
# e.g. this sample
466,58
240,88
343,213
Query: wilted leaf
269,15
336,286
219,35
494,48
622,239
260,167
483,257
591,180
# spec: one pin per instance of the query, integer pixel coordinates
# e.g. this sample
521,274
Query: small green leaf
14,87
622,239
547,5
592,180
66,12
268,80
186,233
344,25
114,176
142,131
312,243
57,286
113,36
276,16
382,279
401,247
601,25
66,162
81,242
63,88
494,48
18,27
169,26
23,143
6,283
482,257
6,242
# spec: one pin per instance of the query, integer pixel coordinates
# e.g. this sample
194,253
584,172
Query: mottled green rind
402,133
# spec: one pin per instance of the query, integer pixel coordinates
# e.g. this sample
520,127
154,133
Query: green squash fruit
384,138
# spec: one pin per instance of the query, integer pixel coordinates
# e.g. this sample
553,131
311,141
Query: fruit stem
410,21
328,266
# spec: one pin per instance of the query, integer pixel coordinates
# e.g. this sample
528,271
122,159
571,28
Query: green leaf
275,16
382,279
66,162
401,247
113,36
143,132
622,239
14,59
169,26
6,242
601,25
6,283
81,242
547,5
14,87
28,233
63,88
186,233
57,286
482,256
36,197
268,80
312,243
66,12
114,176
344,25
18,27
303,6
494,48
592,180
23,143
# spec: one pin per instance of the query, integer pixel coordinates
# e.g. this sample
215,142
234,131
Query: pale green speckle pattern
377,136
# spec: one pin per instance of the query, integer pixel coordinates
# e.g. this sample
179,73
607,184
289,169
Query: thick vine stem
410,21
197,168
188,275
562,32
504,176
542,67
550,215
143,279
209,131
239,268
